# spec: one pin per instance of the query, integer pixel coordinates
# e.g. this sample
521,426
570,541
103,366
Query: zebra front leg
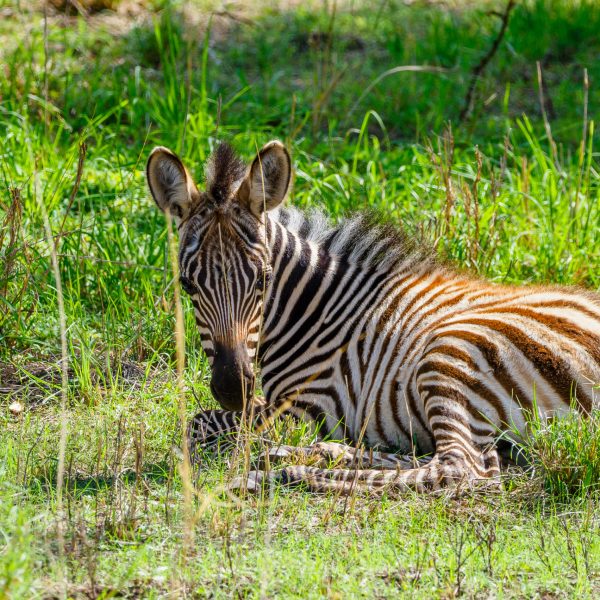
335,454
212,430
217,430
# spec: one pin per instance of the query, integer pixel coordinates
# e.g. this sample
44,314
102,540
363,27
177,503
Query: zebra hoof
254,482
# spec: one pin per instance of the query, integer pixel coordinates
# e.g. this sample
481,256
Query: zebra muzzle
232,382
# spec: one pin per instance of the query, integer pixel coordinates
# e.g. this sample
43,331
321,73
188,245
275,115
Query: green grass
520,207
566,452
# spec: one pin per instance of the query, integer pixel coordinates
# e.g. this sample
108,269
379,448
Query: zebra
358,331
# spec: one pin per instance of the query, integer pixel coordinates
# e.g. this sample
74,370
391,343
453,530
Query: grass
566,453
501,194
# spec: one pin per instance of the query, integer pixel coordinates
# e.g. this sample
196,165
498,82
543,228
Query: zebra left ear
268,181
170,183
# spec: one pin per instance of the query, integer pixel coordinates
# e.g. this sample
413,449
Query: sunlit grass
565,453
491,195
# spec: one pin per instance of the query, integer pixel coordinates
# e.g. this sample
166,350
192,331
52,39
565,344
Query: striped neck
316,270
302,272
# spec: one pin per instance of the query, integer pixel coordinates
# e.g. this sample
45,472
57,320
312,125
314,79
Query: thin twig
185,467
483,63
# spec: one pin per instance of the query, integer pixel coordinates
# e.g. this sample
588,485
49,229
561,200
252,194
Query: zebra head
224,257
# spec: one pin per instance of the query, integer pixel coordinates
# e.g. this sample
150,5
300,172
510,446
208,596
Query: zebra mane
363,238
224,171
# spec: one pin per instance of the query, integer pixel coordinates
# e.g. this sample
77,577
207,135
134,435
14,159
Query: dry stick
448,140
12,224
468,213
75,188
185,467
62,444
483,63
545,116
479,158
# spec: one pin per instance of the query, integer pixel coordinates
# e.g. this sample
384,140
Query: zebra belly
500,360
505,372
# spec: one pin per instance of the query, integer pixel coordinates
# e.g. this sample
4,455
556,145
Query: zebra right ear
170,184
268,180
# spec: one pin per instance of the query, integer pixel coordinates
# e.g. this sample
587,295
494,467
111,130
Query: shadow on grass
90,485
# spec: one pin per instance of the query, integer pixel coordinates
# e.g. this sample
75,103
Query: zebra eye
263,280
187,286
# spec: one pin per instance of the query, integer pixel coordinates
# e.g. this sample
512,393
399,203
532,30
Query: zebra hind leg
338,455
451,467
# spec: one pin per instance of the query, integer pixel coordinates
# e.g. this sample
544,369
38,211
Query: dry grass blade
13,255
185,467
75,188
62,444
393,71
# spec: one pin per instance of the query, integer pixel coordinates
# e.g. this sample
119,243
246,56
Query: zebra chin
233,399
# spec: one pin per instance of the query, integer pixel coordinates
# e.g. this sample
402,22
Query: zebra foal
354,328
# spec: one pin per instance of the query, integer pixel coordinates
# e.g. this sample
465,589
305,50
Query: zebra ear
170,183
268,181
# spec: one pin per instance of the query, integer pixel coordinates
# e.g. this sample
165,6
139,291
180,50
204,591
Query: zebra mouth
232,381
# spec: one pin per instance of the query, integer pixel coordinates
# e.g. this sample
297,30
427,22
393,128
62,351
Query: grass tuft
566,454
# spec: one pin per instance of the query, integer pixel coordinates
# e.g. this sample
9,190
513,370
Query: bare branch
483,63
